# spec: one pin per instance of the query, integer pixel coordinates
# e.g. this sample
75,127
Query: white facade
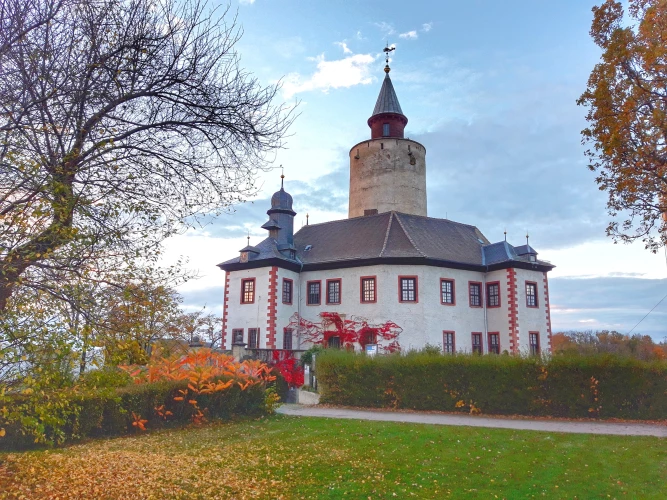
423,321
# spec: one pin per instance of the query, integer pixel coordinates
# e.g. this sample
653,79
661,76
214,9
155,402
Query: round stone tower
387,172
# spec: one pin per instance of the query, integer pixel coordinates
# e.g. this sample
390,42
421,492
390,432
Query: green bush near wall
601,386
69,415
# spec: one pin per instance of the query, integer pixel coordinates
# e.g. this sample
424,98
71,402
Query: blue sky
489,88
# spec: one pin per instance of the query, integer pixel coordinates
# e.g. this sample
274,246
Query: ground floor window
477,343
494,343
448,342
253,338
237,336
287,339
534,340
334,342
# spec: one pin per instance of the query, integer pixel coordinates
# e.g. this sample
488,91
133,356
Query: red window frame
361,289
340,290
481,293
478,335
493,348
488,295
291,290
235,331
400,289
448,280
308,302
538,347
287,331
534,285
256,333
444,344
243,291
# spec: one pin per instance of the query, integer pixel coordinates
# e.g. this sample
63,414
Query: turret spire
387,119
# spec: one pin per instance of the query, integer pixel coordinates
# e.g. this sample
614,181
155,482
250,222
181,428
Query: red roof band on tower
387,119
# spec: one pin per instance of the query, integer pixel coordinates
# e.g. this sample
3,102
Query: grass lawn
292,457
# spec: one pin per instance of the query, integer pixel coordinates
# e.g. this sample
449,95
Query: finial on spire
505,233
282,176
386,51
248,237
527,239
307,219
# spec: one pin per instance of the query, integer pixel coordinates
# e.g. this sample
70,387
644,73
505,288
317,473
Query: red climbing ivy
351,332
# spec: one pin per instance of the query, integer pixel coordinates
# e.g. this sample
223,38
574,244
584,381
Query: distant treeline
590,342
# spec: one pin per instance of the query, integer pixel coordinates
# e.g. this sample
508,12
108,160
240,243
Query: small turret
281,221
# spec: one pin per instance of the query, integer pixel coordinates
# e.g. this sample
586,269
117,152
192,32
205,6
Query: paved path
465,420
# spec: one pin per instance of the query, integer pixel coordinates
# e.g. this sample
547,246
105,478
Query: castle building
437,281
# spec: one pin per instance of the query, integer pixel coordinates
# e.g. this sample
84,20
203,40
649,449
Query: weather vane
386,50
282,176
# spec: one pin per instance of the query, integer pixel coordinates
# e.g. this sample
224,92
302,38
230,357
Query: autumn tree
136,317
121,123
627,115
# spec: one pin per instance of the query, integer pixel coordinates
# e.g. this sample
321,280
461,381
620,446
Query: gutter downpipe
486,318
298,309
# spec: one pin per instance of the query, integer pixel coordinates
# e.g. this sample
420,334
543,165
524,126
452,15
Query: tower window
248,291
493,294
287,291
531,294
237,335
253,338
385,130
287,339
534,341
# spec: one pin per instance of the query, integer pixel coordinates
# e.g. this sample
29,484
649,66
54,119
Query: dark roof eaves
254,264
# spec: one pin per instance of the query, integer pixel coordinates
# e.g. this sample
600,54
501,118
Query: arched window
385,130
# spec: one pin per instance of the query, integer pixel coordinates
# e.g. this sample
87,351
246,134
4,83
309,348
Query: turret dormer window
385,130
248,291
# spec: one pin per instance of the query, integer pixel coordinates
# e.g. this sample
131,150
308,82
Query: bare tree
122,121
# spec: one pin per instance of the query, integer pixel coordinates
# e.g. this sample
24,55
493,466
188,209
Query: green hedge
601,386
69,415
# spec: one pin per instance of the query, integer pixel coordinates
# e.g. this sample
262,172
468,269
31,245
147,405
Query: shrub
601,386
105,377
168,391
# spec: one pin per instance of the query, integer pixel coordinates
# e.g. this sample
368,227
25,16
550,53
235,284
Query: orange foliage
205,371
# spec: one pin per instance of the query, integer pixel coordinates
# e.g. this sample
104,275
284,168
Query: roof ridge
386,235
407,235
383,214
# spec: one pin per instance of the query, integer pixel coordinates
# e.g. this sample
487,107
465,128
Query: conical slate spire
387,101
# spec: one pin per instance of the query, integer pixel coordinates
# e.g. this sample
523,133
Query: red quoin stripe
272,308
224,311
513,314
547,306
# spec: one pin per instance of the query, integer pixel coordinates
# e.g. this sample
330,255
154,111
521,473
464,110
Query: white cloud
409,34
386,28
342,73
247,2
343,45
426,27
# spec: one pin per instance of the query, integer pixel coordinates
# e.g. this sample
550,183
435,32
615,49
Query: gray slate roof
391,235
387,101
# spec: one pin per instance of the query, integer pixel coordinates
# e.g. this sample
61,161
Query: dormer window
385,130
